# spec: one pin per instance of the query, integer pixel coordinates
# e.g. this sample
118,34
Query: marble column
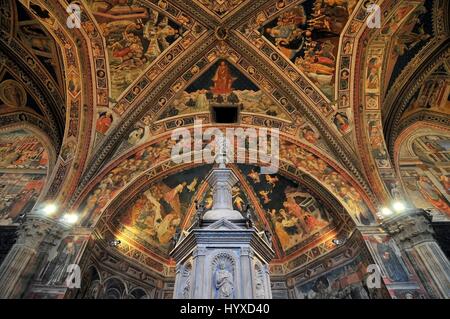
413,233
19,264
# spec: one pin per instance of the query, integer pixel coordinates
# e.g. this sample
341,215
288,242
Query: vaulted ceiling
110,93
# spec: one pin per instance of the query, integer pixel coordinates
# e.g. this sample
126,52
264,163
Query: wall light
399,207
115,242
386,211
50,209
70,218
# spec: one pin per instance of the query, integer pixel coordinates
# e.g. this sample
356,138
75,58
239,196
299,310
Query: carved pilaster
413,232
18,265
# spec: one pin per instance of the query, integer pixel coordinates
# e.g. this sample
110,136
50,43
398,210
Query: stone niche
223,261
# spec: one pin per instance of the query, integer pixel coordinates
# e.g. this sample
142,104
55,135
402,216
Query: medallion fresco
135,36
308,35
223,85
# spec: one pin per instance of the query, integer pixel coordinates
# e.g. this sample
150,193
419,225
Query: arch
92,283
425,169
114,288
138,293
27,158
288,158
369,104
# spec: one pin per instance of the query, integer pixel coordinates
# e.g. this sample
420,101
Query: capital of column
199,251
38,228
410,228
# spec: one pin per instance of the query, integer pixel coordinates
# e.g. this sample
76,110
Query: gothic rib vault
87,114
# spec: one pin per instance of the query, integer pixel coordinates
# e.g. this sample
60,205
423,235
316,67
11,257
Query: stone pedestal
413,233
17,267
222,256
222,261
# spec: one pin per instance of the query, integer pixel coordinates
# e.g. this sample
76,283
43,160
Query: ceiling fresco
23,171
410,37
292,213
35,37
433,95
137,70
135,36
159,211
224,85
424,162
220,7
308,35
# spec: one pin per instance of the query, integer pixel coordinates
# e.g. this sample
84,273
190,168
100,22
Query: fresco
39,42
408,37
135,37
19,149
346,282
122,175
433,95
308,35
388,254
134,165
339,186
156,214
55,269
428,182
295,214
223,85
220,7
18,194
23,169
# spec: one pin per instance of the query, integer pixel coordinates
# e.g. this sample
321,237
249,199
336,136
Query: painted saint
223,80
430,192
104,122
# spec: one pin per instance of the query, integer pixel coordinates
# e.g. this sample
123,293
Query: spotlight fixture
339,241
50,209
70,218
386,211
399,207
114,242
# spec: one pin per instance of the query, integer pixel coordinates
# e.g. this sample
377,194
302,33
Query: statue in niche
224,282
